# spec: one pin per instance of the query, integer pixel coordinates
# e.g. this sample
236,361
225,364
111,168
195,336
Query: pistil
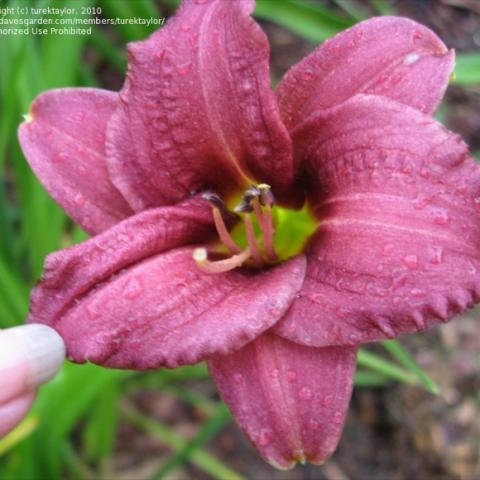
252,240
200,255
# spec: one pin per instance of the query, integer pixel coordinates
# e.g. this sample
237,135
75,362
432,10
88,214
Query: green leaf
467,69
101,428
308,19
208,463
22,431
208,430
384,367
400,354
368,378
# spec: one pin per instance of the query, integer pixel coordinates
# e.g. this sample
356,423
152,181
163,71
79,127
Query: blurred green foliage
71,432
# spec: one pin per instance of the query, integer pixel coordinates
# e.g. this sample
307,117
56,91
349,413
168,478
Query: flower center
266,235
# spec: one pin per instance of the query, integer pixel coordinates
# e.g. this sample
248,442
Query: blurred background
415,412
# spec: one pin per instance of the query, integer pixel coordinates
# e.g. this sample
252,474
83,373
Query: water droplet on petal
184,68
440,217
79,116
313,424
92,311
417,292
435,255
307,75
247,86
264,438
388,249
133,288
421,201
305,393
337,417
417,35
238,378
275,373
354,337
476,203
411,58
79,199
291,376
60,157
193,38
411,261
327,400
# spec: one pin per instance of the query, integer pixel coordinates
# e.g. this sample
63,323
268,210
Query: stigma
255,205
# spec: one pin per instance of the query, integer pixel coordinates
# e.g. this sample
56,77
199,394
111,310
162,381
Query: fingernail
29,356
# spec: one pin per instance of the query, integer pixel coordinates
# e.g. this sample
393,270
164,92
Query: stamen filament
268,233
265,221
200,255
223,233
259,213
252,240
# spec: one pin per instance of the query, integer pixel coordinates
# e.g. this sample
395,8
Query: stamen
266,195
252,240
219,208
245,204
268,233
265,219
200,256
223,233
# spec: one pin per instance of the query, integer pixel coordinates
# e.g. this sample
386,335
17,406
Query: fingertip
46,352
30,355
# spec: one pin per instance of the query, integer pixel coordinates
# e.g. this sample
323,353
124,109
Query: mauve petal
198,110
290,400
390,56
64,142
164,311
71,273
398,246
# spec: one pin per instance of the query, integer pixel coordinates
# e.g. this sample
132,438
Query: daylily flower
153,173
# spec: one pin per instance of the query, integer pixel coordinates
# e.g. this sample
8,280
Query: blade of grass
381,365
76,466
201,403
62,404
314,22
13,296
401,355
355,9
105,47
367,378
208,430
200,458
467,69
126,9
101,428
22,431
